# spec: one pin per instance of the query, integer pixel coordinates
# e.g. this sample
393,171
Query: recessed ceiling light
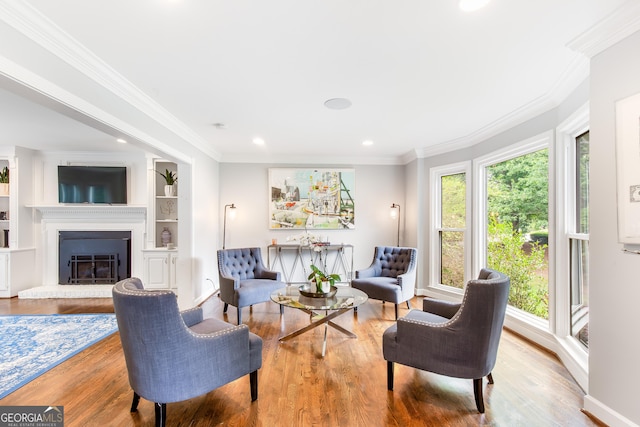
367,143
471,5
121,141
337,103
219,125
258,141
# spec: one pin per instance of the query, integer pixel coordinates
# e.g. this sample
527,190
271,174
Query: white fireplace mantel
92,211
56,218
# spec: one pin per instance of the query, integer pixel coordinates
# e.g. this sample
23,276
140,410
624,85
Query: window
579,244
513,221
449,246
571,304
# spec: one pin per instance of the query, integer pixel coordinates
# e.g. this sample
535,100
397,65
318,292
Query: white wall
614,357
204,215
377,187
46,172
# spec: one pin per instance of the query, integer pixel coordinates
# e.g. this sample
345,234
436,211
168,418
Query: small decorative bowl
305,290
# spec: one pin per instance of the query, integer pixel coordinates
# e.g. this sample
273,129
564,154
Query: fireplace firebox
94,257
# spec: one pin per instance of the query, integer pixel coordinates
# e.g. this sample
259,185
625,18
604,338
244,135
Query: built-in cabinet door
173,261
156,266
4,272
160,269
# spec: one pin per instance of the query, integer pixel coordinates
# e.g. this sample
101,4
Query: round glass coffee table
345,299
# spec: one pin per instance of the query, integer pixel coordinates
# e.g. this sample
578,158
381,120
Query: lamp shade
232,212
393,211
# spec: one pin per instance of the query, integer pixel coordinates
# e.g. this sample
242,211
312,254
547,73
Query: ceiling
419,74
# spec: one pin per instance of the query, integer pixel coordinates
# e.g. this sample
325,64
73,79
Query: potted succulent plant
322,280
170,178
4,181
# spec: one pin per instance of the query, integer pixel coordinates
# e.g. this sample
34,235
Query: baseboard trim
203,298
67,291
603,413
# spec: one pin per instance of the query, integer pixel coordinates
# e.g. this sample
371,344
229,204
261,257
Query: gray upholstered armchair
456,340
390,277
173,356
244,279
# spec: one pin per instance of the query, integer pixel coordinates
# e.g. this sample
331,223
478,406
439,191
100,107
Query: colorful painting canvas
312,198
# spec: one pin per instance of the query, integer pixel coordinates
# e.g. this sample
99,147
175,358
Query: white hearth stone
67,291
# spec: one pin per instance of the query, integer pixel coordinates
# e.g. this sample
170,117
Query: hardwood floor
297,387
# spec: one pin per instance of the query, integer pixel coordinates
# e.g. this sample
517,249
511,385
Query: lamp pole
395,212
224,227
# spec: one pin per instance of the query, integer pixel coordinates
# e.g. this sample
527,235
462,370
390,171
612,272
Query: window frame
572,353
435,261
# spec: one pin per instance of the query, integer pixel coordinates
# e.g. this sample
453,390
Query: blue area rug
31,345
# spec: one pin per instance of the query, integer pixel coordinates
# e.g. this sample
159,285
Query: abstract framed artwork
628,169
311,198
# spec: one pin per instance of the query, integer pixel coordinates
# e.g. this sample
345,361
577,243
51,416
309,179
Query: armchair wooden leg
226,306
239,316
161,414
281,310
390,376
477,391
490,378
134,404
253,381
408,305
396,306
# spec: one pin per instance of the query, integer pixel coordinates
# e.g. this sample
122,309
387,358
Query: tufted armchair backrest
391,261
242,263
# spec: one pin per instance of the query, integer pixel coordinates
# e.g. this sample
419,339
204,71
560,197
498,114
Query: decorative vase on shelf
169,191
4,189
165,236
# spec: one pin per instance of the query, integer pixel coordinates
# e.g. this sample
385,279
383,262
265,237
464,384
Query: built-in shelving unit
4,218
17,251
166,206
5,207
161,256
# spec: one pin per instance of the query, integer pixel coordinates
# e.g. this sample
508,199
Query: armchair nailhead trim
227,331
439,325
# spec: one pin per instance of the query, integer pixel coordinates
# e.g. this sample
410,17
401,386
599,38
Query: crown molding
620,24
576,73
317,160
38,28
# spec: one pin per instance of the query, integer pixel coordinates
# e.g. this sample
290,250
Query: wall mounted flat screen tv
92,184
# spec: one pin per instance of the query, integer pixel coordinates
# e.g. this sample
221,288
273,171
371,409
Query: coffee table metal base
319,320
